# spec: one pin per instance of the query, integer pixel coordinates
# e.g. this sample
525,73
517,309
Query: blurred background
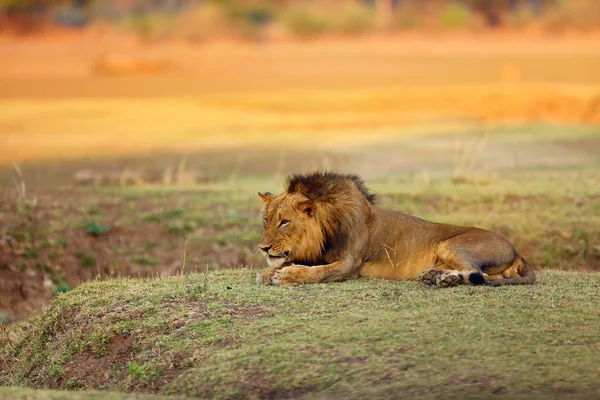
135,131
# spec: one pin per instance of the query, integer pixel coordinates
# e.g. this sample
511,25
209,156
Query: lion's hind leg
477,257
452,278
450,269
429,276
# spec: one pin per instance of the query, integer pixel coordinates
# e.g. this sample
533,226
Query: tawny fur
326,227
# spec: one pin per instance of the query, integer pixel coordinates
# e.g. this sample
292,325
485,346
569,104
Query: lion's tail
526,272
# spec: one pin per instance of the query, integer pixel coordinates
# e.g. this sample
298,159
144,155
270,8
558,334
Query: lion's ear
307,207
266,196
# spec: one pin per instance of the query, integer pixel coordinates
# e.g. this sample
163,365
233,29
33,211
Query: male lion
326,227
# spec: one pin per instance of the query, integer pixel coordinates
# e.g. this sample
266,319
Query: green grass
26,394
219,335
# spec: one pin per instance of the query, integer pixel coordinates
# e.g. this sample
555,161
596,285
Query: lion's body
332,230
412,245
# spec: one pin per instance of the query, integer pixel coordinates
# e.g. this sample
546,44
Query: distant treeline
201,19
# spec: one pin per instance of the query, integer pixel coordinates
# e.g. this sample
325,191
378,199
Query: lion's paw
447,279
290,276
429,276
266,277
263,279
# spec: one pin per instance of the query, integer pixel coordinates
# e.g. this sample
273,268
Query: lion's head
315,213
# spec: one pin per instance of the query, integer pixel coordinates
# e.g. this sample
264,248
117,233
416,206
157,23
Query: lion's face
285,221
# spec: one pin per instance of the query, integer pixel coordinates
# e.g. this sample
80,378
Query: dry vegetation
227,95
269,20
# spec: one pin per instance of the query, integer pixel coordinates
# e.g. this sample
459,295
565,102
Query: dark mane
325,186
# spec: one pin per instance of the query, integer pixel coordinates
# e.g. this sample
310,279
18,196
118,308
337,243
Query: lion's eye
283,222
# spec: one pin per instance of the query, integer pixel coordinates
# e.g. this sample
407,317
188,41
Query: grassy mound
220,335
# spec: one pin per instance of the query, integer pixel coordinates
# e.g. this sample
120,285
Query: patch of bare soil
593,263
90,371
22,293
61,242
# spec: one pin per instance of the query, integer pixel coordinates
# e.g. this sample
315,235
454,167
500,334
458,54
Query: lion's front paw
266,278
290,276
262,279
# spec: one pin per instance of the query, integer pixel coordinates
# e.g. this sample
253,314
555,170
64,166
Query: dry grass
221,96
36,129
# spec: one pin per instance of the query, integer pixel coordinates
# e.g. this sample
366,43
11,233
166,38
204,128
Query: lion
326,227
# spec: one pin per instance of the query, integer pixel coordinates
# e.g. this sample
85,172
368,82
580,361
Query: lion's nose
265,248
